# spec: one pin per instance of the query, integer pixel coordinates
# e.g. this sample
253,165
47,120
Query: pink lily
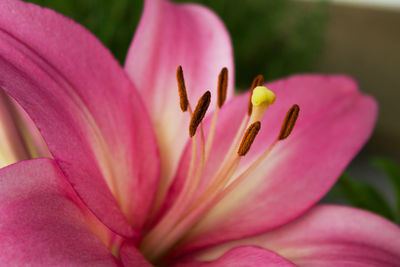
125,185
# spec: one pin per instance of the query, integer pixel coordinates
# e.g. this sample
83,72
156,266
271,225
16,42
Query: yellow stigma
262,96
261,99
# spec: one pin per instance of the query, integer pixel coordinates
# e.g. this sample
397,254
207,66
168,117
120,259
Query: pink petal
19,137
36,144
86,108
329,236
170,35
245,256
40,223
12,147
335,121
131,256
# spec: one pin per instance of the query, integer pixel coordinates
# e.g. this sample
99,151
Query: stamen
184,102
257,81
193,202
166,178
222,90
199,112
222,86
248,138
289,122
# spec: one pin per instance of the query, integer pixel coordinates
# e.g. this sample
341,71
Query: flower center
191,205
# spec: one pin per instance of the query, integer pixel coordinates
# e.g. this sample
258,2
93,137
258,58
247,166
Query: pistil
261,99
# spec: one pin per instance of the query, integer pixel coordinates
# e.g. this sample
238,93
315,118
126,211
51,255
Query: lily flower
158,163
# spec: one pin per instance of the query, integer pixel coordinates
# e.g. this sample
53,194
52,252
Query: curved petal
243,257
86,108
12,146
19,137
329,236
335,121
40,223
131,256
170,35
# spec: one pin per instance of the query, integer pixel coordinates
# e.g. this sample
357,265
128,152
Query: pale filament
222,88
189,187
203,205
202,163
189,207
211,132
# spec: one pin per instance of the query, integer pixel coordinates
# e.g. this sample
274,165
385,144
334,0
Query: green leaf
392,170
364,196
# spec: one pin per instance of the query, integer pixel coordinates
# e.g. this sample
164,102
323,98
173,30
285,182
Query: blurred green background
277,38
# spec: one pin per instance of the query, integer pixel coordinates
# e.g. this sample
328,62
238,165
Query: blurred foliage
392,170
363,195
274,38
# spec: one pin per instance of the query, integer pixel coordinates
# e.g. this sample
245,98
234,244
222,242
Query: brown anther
248,138
184,102
257,81
199,112
289,122
222,86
